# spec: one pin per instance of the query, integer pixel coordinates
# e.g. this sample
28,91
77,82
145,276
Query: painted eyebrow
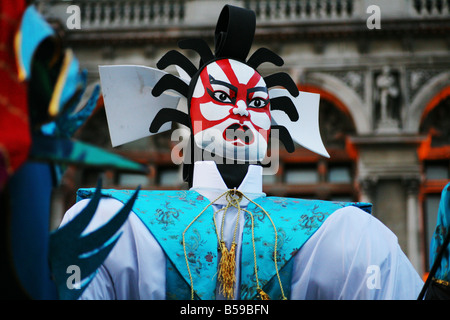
223,83
257,89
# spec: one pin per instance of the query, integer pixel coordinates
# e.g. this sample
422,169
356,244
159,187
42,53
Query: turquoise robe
168,213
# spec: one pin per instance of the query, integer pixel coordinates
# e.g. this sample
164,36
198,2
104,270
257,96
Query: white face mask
230,111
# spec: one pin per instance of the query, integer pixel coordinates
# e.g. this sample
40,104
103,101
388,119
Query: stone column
412,222
366,189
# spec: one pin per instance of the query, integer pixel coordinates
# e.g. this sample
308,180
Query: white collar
208,182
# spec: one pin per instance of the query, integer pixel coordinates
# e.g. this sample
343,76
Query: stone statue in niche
387,100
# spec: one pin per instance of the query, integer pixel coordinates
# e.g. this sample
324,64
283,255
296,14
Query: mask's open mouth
239,135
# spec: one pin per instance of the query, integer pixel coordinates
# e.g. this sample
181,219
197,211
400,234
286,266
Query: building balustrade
120,13
431,8
130,14
301,10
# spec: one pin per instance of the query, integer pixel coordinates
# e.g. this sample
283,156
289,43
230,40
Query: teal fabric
176,287
74,80
440,233
63,151
34,29
167,214
71,119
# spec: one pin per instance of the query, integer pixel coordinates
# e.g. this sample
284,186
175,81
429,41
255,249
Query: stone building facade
381,68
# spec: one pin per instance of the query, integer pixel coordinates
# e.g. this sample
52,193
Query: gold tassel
227,267
263,295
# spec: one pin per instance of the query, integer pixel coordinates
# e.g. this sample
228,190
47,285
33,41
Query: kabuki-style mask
232,110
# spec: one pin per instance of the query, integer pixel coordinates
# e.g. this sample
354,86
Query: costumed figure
44,100
223,238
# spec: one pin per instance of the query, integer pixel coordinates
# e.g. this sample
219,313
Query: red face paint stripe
228,70
242,94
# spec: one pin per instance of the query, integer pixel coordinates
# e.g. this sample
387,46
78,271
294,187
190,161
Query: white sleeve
101,286
353,256
135,267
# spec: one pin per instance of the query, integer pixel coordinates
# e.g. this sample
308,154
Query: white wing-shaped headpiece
305,131
141,101
131,107
129,103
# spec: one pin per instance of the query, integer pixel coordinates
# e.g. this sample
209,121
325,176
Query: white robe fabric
352,256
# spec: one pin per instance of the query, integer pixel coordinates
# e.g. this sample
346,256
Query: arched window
436,120
435,158
304,174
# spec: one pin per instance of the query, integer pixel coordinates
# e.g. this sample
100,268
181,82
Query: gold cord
442,282
226,270
258,288
274,251
227,265
184,242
